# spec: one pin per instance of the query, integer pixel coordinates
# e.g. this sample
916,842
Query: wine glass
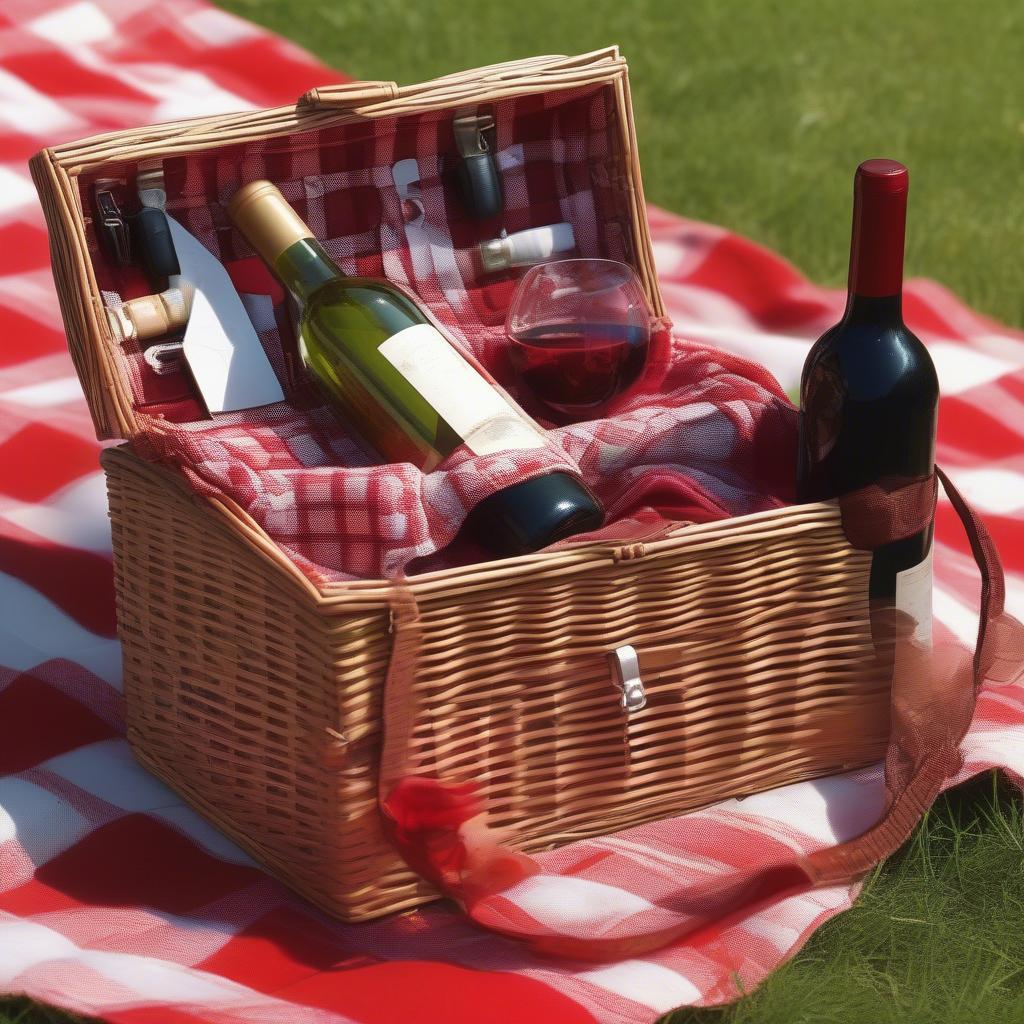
579,331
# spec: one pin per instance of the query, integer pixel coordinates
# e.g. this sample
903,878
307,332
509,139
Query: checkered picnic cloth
116,900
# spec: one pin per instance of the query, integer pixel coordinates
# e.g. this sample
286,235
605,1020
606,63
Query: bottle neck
875,289
874,309
304,267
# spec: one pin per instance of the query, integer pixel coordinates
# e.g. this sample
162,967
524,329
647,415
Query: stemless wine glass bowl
579,332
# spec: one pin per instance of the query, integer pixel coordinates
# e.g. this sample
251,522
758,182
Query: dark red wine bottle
869,394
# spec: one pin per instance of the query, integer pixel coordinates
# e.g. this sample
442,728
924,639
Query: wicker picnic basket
268,701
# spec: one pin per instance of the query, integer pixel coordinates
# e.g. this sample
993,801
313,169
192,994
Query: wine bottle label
479,413
914,596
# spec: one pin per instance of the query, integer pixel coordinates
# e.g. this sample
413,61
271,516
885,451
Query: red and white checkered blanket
117,901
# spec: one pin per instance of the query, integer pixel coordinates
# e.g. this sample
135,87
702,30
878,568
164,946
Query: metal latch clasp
469,133
111,224
149,181
626,668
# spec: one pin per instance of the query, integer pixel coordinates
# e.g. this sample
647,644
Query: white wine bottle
399,382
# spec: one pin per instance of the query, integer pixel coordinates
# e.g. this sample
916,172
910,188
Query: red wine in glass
575,368
579,332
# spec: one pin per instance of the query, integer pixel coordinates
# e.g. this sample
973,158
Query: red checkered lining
704,435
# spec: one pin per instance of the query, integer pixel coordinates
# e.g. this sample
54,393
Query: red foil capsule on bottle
879,224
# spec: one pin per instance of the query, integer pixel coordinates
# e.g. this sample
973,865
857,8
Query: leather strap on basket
440,829
934,692
398,714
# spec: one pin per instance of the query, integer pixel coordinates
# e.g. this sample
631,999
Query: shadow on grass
935,936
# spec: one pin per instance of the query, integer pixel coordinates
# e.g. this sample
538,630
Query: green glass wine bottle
402,385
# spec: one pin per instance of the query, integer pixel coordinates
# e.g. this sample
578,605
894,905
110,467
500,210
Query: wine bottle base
531,515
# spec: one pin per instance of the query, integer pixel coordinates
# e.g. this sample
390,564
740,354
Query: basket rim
347,595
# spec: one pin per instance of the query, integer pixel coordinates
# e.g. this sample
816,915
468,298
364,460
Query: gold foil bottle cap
266,219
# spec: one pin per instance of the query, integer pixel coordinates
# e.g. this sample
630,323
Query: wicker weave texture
262,702
283,711
242,694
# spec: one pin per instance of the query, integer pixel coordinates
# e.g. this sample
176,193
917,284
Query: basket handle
347,95
460,86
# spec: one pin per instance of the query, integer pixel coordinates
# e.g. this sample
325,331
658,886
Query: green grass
24,1011
754,116
935,937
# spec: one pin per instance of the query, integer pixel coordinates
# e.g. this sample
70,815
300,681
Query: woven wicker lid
98,359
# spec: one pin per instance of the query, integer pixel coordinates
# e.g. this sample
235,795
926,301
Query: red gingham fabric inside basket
704,435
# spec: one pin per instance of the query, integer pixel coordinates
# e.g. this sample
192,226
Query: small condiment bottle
534,245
